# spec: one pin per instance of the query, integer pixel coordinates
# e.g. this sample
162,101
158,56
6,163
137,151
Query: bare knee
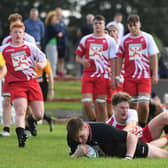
164,116
6,102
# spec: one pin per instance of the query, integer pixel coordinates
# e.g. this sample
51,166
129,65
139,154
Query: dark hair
99,18
74,125
120,97
133,19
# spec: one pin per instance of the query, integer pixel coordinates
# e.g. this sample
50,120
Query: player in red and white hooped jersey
138,50
99,50
21,57
126,119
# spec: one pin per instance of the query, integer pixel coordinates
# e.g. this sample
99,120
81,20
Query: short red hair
17,24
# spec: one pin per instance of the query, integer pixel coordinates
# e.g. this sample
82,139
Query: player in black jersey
111,141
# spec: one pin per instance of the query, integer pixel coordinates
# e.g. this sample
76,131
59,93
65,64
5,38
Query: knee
6,102
164,116
87,102
38,116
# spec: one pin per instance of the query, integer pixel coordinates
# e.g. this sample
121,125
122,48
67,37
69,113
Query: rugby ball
92,153
138,131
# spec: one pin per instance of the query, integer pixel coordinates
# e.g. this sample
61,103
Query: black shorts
141,150
61,52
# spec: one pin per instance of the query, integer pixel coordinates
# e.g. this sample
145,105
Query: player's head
120,102
18,25
120,97
99,24
17,32
133,19
134,24
78,130
14,17
113,31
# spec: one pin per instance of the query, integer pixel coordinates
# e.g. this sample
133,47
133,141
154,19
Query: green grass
49,150
66,89
63,106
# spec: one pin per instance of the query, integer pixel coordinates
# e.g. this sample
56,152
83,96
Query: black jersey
111,140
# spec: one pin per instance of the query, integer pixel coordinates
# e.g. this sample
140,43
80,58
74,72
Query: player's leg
6,109
157,124
144,91
20,106
161,142
101,114
101,88
6,116
156,152
87,105
87,94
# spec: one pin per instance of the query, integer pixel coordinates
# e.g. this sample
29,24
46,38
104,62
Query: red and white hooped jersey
132,116
27,37
99,51
20,61
136,52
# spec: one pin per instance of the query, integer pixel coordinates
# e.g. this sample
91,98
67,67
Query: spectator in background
52,33
87,28
118,21
62,43
35,27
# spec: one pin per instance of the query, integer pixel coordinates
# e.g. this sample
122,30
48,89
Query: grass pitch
49,150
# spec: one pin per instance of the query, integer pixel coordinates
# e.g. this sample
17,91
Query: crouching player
111,141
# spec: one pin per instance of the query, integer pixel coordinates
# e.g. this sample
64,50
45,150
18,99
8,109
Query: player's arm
113,72
130,125
119,62
131,144
84,62
3,71
154,63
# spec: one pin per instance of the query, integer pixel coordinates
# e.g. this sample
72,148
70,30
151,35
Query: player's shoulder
146,34
132,111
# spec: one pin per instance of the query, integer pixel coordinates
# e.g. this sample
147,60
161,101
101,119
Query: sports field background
49,149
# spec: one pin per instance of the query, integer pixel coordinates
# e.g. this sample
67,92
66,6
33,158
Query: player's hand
154,79
86,63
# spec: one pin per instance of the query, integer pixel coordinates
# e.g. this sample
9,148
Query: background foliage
153,13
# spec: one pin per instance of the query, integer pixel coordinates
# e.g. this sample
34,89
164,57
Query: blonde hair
49,17
17,24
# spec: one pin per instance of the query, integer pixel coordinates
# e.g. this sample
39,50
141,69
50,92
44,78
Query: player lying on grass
126,119
111,141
